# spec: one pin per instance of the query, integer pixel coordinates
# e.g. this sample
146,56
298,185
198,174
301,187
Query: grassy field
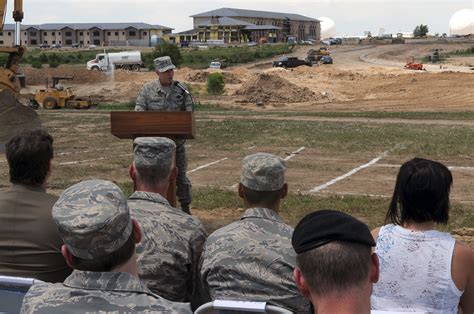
85,149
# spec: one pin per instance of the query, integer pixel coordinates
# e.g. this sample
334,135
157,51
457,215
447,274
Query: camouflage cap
153,151
93,218
263,172
163,64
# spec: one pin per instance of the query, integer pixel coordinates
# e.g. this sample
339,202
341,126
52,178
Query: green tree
215,84
420,30
166,49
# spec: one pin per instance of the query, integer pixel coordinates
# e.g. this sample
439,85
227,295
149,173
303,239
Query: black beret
321,227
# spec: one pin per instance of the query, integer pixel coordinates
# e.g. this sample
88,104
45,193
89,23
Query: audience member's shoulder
464,252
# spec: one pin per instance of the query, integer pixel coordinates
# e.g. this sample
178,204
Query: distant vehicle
215,65
251,44
55,46
291,40
218,64
326,60
92,46
127,60
290,62
44,45
76,45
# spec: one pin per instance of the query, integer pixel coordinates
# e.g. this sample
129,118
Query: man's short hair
333,251
422,192
29,155
335,267
153,158
108,262
267,198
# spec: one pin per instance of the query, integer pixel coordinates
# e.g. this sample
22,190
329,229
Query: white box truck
127,60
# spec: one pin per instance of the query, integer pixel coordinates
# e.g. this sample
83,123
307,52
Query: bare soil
368,78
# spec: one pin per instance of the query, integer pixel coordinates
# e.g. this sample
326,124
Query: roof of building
78,26
231,12
224,21
260,27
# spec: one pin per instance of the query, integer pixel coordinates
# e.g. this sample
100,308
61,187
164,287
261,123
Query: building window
96,33
69,34
144,33
68,42
132,33
34,42
109,33
81,42
1,42
25,33
53,42
88,42
53,33
9,33
60,42
1,33
44,34
123,33
81,33
87,33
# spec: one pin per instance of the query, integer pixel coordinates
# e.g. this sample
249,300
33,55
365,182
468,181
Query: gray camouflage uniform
154,97
169,253
93,220
253,259
92,292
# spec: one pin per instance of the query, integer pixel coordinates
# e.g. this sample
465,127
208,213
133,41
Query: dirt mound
81,75
270,88
14,117
201,77
465,235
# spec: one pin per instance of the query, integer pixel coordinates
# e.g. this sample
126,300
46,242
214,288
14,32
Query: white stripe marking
207,165
449,167
293,154
353,171
82,161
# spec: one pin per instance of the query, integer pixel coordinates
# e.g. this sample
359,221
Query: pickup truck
290,62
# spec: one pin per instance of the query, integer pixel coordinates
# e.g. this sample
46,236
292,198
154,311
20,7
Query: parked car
44,45
326,60
76,45
290,62
55,46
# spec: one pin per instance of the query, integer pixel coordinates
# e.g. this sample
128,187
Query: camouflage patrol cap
93,218
153,151
163,64
263,172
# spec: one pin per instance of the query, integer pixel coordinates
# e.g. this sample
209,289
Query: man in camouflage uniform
169,253
165,94
94,222
252,259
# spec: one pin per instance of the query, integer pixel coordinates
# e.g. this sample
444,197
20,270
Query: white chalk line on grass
293,154
449,167
207,165
89,160
348,174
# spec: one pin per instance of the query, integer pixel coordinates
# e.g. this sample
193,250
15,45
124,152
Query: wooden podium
172,124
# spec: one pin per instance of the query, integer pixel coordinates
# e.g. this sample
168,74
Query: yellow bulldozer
14,117
57,96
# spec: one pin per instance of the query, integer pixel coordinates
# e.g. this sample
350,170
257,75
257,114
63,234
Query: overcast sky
352,17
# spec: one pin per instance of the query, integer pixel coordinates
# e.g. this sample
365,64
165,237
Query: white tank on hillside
462,22
328,27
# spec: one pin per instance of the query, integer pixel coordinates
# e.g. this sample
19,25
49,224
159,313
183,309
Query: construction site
344,128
